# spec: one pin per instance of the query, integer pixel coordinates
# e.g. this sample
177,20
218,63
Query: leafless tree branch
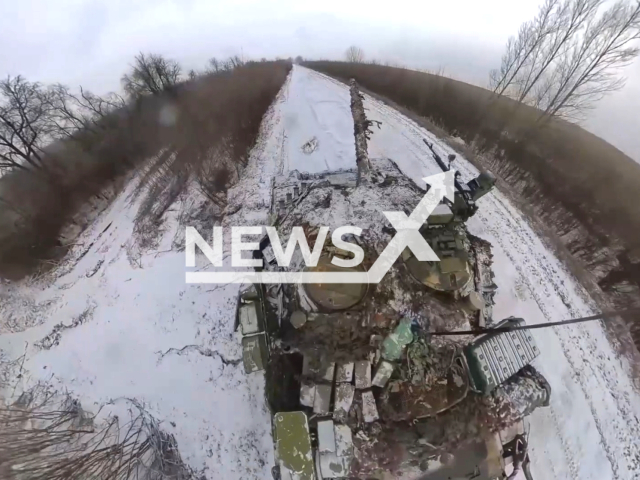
526,46
24,121
354,54
569,56
590,70
571,16
152,74
74,116
216,66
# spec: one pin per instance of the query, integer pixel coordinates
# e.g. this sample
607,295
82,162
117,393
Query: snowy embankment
138,331
121,323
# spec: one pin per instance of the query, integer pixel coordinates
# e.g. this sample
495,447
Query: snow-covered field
145,334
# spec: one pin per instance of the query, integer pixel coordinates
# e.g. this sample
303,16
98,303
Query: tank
358,381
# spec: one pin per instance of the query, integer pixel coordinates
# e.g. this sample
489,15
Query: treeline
59,148
585,189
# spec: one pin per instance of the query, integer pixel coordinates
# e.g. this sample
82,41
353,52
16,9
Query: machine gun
468,193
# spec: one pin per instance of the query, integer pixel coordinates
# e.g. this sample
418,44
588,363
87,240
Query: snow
317,110
221,423
146,334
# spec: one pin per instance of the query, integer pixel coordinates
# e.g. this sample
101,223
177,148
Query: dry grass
48,436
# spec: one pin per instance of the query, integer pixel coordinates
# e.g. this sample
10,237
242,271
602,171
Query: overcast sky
91,43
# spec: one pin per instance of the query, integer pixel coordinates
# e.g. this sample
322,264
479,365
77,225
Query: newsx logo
407,236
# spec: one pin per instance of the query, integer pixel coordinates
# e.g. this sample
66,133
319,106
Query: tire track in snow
523,272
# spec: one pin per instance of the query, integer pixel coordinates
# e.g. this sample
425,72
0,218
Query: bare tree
571,17
354,54
85,112
524,48
569,56
16,209
24,122
218,66
591,68
152,74
214,66
234,62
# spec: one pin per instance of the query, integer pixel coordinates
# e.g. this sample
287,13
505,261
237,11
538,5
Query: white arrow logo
407,236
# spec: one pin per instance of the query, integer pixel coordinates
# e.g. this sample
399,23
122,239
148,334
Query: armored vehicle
359,379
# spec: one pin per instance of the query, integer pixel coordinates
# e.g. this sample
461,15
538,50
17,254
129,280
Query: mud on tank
357,385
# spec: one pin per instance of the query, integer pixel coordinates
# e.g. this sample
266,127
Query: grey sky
92,42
